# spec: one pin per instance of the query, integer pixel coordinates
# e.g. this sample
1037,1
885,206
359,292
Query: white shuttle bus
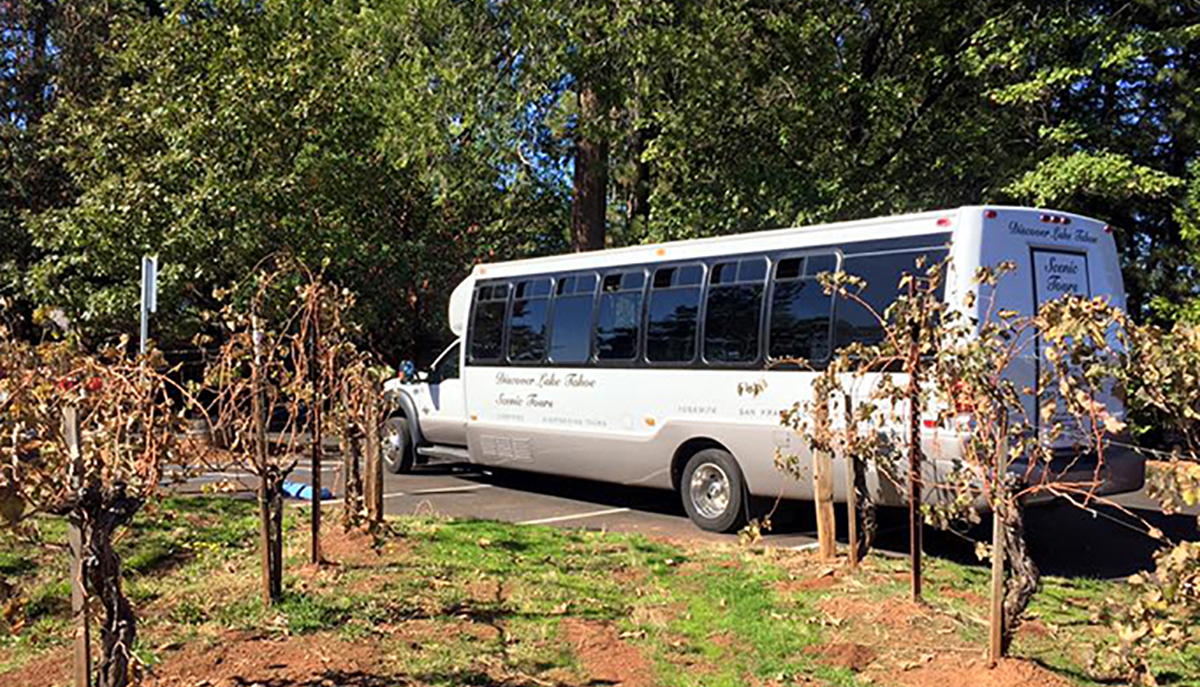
625,365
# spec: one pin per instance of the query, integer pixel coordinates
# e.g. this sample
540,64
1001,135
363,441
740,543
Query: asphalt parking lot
1100,541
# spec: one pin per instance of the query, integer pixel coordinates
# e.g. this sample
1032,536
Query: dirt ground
607,658
241,659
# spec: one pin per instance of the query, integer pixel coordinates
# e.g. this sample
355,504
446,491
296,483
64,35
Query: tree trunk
591,177
637,208
276,495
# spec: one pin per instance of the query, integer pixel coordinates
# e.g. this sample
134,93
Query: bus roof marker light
943,221
990,214
1108,229
1045,218
660,252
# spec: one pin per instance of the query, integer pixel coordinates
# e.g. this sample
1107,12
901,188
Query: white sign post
149,296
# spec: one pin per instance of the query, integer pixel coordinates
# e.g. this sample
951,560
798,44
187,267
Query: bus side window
882,274
527,321
735,298
620,316
571,324
800,311
672,314
487,323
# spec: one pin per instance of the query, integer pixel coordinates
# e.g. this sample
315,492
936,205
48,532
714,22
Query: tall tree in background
589,202
224,133
50,51
551,93
1102,100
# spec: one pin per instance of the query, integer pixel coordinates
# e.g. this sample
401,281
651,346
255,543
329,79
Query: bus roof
793,237
819,235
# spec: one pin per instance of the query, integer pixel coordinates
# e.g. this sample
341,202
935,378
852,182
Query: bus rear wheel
713,491
396,444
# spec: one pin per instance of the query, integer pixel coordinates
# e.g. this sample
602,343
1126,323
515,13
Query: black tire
396,445
717,501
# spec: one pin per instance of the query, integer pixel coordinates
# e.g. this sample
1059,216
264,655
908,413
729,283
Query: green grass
737,626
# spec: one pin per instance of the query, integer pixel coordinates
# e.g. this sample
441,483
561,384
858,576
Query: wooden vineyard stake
79,601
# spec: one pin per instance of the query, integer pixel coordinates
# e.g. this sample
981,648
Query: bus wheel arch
685,452
711,485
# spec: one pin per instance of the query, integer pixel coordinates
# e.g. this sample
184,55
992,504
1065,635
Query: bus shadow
1064,540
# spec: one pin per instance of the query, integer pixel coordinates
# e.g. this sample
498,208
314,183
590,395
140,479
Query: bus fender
408,408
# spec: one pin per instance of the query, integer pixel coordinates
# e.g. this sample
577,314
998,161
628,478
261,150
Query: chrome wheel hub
393,443
710,491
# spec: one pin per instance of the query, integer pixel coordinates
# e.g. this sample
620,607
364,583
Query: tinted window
882,274
447,367
527,321
572,320
732,313
800,310
672,314
617,323
487,323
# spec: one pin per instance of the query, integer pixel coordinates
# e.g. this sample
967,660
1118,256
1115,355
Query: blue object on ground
299,490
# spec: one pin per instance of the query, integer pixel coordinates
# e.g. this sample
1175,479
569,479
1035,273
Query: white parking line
451,490
577,516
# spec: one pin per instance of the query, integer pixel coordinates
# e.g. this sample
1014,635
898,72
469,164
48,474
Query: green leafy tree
226,132
1100,100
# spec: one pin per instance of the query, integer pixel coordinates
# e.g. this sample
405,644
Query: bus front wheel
713,491
397,445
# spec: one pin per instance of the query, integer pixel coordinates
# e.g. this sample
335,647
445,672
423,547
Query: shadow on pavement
1063,539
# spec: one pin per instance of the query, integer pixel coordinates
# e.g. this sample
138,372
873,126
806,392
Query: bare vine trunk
865,508
1023,578
99,514
351,445
271,509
